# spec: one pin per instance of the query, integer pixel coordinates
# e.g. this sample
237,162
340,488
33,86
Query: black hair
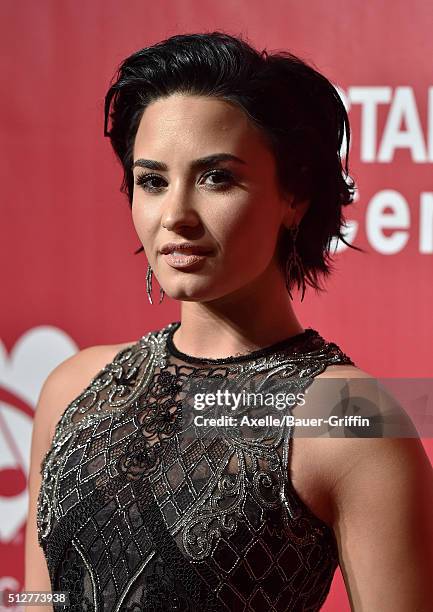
298,110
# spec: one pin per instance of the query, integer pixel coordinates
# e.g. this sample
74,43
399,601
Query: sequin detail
140,509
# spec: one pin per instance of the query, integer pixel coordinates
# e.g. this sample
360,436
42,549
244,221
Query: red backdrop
70,277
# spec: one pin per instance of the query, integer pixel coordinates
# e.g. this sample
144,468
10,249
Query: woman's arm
61,387
36,572
383,508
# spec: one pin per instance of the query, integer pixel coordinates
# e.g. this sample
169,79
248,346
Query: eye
224,179
225,176
144,179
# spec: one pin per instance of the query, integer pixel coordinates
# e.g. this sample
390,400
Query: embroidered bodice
146,505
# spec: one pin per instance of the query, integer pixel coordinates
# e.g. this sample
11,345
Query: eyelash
143,180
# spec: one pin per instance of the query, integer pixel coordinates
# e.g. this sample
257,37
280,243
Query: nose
179,210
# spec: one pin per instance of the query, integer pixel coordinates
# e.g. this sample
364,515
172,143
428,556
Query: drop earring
149,286
294,267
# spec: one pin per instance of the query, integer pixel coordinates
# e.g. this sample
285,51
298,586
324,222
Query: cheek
134,216
142,220
251,226
136,211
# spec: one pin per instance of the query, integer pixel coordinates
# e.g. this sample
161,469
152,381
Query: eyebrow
197,164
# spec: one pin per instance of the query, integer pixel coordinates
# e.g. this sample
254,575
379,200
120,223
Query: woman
153,495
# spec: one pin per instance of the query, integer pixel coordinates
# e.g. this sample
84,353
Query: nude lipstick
184,255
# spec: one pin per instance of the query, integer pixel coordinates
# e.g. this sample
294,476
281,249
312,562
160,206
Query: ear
295,210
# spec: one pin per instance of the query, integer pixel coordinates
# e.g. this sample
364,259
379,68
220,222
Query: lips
184,255
184,248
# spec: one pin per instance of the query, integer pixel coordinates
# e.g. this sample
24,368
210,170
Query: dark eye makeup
144,180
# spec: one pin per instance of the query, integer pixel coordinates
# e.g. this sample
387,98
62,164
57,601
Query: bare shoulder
74,374
67,380
338,449
119,347
344,371
351,391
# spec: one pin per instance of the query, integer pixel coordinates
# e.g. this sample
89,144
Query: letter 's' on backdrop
69,275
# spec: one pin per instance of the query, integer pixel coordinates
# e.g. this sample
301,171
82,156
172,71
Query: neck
256,316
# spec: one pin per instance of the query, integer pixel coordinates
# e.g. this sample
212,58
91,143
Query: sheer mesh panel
143,505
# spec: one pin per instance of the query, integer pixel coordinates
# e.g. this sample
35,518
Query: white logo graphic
22,374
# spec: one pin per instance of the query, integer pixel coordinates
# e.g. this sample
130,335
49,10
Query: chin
194,292
190,296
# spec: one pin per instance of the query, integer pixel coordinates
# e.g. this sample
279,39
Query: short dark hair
298,110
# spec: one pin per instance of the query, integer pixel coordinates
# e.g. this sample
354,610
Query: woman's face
230,206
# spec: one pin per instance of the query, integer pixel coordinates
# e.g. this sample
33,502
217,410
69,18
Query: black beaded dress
146,505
